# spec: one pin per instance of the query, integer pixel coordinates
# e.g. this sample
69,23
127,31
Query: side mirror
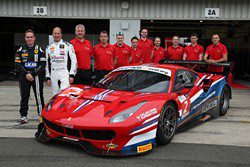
188,85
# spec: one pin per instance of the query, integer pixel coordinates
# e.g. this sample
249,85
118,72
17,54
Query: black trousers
83,77
99,74
25,85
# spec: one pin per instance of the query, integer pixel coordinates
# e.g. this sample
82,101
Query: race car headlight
126,113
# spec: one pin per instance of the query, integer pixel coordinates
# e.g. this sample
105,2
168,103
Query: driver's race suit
61,64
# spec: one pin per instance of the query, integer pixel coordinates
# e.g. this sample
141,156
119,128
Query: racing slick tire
167,124
224,101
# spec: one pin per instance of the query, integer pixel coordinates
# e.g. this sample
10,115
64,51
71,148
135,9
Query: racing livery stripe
144,127
82,105
215,82
192,99
99,94
198,83
210,76
150,119
142,137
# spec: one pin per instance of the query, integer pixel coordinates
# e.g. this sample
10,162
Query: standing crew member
136,53
105,56
122,51
194,51
217,52
30,62
175,52
83,50
146,45
58,54
158,51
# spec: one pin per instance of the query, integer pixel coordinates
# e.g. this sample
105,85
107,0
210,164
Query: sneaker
23,120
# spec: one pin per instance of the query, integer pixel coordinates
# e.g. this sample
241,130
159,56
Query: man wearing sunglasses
122,51
30,62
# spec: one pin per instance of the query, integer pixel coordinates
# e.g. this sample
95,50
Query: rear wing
228,66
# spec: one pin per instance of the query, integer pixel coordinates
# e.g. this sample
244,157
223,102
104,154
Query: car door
188,96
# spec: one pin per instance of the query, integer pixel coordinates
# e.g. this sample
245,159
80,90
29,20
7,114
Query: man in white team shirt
58,54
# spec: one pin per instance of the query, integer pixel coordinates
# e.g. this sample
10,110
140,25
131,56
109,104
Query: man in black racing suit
30,63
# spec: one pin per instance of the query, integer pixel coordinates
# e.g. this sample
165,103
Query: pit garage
163,18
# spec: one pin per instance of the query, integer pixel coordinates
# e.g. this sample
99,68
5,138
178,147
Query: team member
158,51
217,52
105,56
146,45
193,51
83,50
57,58
136,53
122,51
175,52
30,62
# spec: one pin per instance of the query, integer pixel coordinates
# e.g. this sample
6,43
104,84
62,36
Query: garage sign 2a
212,12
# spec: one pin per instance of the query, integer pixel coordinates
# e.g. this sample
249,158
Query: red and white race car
133,108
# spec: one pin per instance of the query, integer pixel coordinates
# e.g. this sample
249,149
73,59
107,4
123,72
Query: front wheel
224,101
167,124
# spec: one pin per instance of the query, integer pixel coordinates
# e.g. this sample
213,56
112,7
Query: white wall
131,28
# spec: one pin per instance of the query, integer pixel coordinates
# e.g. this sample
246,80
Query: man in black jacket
30,62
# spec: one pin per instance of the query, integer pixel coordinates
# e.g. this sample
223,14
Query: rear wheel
167,124
224,101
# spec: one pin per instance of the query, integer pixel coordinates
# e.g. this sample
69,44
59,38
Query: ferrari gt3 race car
133,108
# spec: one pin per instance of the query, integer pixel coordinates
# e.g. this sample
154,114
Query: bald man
58,53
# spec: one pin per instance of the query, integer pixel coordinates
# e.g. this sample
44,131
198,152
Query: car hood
89,104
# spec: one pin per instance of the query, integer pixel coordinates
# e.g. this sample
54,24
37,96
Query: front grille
98,134
53,126
73,132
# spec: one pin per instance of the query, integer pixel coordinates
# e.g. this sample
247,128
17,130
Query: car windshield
135,80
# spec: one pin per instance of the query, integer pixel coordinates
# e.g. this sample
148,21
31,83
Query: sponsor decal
67,126
18,61
25,55
62,52
25,60
209,106
61,46
146,68
36,57
144,148
52,48
146,114
36,51
30,65
111,145
204,100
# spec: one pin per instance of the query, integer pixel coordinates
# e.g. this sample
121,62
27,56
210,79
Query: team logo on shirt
109,52
124,51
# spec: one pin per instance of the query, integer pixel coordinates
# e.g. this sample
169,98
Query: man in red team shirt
158,51
175,52
122,51
83,50
146,45
105,56
217,52
136,53
194,51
